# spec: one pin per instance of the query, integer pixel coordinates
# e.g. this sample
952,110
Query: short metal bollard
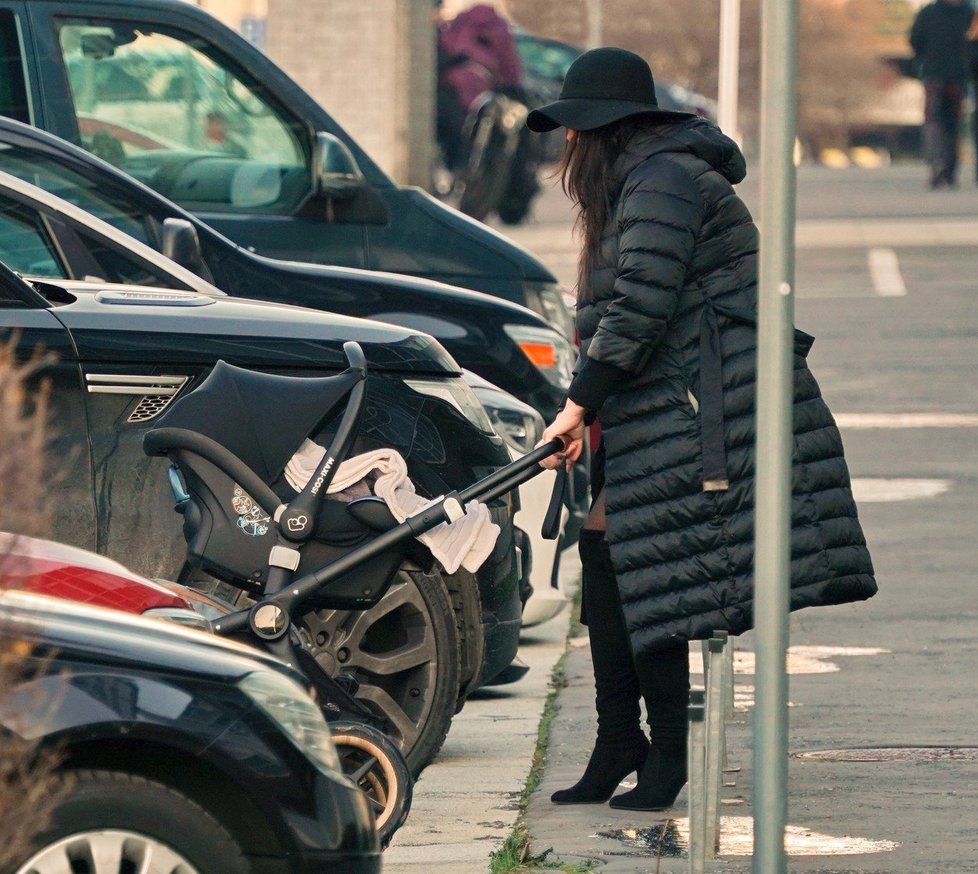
696,755
715,742
727,670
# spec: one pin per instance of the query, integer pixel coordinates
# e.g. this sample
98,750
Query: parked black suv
169,94
504,343
177,748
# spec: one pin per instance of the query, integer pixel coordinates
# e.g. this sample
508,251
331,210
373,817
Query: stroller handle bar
497,483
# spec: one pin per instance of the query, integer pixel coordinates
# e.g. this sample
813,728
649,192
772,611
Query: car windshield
171,110
56,178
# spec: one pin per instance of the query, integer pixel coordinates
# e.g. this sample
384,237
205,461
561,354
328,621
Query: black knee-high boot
663,678
621,746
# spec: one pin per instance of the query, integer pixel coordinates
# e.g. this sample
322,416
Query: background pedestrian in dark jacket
937,38
972,38
667,302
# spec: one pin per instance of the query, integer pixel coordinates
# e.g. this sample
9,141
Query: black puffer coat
674,304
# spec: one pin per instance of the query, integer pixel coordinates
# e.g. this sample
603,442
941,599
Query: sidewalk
465,804
911,816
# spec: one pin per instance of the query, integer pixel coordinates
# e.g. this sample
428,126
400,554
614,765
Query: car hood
134,324
471,240
79,632
348,284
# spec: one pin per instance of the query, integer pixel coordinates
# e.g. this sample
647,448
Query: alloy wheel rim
367,766
390,650
114,851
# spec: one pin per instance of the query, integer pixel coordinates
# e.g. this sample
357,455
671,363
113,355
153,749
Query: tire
109,809
403,654
375,765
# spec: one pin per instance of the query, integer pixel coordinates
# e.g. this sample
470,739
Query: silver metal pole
779,42
714,745
697,784
728,686
727,86
595,23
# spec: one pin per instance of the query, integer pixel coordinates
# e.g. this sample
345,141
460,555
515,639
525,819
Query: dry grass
23,438
27,781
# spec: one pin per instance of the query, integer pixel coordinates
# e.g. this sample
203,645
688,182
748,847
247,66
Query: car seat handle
298,522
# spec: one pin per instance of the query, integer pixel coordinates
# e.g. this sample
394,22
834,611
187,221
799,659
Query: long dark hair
585,175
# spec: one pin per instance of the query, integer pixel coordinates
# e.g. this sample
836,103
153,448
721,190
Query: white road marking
865,421
807,659
883,490
884,270
737,839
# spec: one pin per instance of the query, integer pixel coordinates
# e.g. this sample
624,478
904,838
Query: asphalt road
896,353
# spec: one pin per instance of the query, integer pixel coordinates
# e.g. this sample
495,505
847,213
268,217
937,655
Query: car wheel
106,822
370,759
403,654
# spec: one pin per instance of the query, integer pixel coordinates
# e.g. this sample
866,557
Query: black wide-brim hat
602,86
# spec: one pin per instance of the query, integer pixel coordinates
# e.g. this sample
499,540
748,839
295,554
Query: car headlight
290,707
552,355
547,299
457,393
517,423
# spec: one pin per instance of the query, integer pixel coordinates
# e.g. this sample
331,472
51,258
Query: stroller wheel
371,760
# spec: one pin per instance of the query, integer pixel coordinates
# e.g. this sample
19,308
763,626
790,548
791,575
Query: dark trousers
660,677
942,127
974,117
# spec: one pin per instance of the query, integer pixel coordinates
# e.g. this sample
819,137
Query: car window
13,88
57,178
545,59
168,108
117,265
25,244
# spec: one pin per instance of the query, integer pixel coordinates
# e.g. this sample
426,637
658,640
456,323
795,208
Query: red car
48,568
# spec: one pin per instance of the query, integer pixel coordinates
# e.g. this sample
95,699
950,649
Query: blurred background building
371,63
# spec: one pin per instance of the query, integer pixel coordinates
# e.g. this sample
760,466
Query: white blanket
467,542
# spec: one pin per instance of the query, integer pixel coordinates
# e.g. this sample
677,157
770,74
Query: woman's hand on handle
569,427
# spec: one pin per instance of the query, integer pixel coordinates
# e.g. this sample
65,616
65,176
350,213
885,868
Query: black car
123,353
177,748
504,343
164,91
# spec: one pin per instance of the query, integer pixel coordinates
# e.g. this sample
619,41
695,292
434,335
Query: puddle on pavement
662,840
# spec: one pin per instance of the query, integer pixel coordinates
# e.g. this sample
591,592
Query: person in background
476,53
972,37
667,316
937,38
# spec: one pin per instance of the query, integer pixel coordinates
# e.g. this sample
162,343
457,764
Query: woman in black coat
667,303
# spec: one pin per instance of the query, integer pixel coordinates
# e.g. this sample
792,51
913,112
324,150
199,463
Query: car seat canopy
261,418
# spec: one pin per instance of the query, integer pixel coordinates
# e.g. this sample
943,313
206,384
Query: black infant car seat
229,441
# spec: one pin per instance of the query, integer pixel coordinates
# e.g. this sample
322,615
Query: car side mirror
181,244
336,175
